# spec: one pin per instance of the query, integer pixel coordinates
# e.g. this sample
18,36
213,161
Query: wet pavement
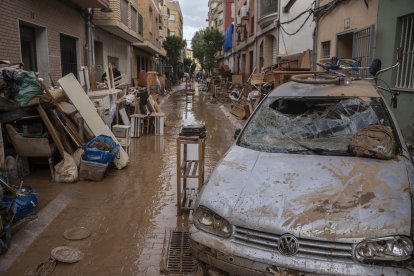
130,211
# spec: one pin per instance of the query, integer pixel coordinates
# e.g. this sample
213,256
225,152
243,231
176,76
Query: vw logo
288,245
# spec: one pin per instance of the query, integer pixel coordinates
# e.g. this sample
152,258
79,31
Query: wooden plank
52,130
59,128
87,110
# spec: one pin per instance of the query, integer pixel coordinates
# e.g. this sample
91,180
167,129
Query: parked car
319,181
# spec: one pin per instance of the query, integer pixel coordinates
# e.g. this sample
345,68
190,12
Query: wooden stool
137,124
158,119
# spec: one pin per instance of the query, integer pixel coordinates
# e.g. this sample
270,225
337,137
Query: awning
150,48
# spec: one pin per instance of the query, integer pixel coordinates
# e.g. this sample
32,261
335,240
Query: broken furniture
123,135
32,147
189,168
85,107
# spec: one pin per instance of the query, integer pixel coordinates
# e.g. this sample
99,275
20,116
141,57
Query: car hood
311,196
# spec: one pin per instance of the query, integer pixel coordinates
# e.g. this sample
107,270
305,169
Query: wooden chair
32,147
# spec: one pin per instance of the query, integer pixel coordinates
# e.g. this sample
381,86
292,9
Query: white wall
116,47
301,41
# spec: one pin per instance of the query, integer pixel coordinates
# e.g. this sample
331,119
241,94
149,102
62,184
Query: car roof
359,88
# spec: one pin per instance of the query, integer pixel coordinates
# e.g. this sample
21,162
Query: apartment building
266,32
149,55
175,19
36,34
114,33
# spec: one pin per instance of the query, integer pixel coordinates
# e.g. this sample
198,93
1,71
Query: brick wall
55,17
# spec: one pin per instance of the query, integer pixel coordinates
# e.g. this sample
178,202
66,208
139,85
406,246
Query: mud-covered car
319,181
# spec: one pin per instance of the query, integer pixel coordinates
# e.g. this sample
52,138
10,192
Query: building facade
175,18
36,34
267,32
346,29
114,34
150,54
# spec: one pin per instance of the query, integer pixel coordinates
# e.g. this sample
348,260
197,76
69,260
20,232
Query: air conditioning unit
239,20
244,11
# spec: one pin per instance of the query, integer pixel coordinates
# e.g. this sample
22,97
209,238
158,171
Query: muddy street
129,212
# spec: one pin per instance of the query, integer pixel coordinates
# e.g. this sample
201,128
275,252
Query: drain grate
179,259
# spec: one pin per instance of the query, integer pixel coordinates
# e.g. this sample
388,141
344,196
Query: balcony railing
268,12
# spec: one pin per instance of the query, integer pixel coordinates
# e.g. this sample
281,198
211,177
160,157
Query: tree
193,67
174,46
187,64
206,43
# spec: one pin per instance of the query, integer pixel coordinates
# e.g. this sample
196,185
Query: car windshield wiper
318,151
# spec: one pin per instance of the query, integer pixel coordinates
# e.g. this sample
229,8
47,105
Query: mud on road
130,211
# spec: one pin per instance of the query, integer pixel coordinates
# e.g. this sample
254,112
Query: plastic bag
66,171
23,205
101,149
28,86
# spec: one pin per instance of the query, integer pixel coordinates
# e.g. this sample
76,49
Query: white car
291,196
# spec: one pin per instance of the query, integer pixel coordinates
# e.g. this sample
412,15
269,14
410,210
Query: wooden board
86,108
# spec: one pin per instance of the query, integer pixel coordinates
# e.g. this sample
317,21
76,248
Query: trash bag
375,141
101,149
28,87
66,171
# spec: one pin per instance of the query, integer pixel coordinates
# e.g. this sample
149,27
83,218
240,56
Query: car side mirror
236,133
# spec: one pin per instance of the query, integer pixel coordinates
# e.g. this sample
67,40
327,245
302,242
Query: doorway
99,62
28,47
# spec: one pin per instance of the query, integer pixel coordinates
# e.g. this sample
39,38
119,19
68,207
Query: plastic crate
92,170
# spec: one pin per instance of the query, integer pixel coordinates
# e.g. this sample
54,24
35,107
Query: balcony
122,21
92,3
268,12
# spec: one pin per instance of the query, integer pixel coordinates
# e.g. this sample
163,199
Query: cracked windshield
206,137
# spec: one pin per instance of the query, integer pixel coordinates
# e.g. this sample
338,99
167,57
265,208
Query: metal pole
315,36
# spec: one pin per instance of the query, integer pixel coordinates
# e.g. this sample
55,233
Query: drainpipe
315,37
89,35
256,7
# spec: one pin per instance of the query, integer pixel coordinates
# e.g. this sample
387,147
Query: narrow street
130,211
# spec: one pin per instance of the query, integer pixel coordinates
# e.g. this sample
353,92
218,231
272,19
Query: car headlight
208,221
394,248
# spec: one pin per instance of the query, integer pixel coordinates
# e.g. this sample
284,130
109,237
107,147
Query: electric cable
298,30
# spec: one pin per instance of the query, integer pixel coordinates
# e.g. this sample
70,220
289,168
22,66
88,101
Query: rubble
64,124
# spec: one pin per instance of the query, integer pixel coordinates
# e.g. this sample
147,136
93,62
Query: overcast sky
194,16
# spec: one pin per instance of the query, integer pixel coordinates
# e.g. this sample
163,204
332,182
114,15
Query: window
405,72
68,55
134,19
124,12
268,7
172,33
171,17
326,49
140,24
